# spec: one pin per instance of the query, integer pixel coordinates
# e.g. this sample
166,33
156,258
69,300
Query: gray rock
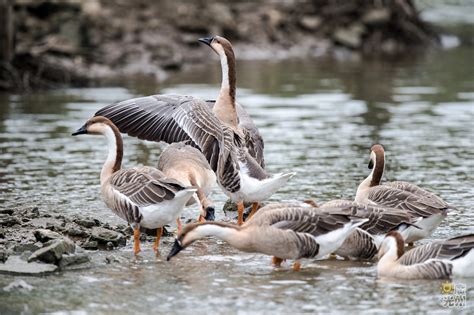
87,222
73,259
18,284
114,259
91,245
4,255
8,220
6,211
53,251
351,36
76,230
310,22
2,232
45,235
103,236
376,16
16,266
26,247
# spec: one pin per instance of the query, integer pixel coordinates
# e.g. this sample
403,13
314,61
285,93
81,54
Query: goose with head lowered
285,231
216,132
187,165
143,196
401,195
436,260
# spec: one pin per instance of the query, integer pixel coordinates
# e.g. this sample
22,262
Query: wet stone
16,266
91,245
18,284
87,222
6,211
3,255
45,235
26,247
103,236
73,259
8,220
76,230
2,232
114,259
53,251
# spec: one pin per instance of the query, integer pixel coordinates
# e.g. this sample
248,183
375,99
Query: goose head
220,45
95,126
376,164
393,245
195,231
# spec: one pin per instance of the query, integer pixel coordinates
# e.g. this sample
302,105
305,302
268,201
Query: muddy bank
84,42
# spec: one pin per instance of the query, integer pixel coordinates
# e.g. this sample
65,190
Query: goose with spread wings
215,132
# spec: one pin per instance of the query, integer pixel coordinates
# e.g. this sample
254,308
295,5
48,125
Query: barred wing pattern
381,219
447,250
395,198
136,188
437,201
175,118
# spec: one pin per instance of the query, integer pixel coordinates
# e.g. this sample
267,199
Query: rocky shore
72,42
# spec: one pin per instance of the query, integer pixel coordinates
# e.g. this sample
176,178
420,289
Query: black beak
371,164
175,250
80,131
206,40
210,214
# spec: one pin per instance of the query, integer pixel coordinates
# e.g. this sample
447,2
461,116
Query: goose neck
113,163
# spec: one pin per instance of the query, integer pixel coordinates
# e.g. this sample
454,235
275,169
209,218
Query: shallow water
318,118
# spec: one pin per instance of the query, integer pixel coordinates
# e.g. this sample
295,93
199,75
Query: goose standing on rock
187,165
143,196
216,133
436,260
284,231
401,195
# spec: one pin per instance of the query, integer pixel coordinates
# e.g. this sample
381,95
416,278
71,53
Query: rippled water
318,118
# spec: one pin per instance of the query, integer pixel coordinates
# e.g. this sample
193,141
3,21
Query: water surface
318,118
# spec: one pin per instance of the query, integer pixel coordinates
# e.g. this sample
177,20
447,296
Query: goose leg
276,262
180,226
240,213
136,238
159,232
254,210
296,265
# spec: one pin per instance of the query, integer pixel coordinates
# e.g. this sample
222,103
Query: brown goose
187,165
143,196
401,195
365,241
216,133
285,231
436,260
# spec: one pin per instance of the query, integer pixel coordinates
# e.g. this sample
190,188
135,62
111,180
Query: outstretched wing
175,118
395,198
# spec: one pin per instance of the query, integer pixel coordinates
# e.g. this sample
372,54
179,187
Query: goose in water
187,165
401,195
143,196
215,132
364,242
436,260
284,231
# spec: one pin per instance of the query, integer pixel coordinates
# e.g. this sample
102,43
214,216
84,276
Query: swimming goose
285,231
364,242
173,118
436,260
401,195
187,165
143,196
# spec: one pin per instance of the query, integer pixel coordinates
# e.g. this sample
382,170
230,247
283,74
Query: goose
285,231
436,260
216,133
401,195
364,242
187,165
143,196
